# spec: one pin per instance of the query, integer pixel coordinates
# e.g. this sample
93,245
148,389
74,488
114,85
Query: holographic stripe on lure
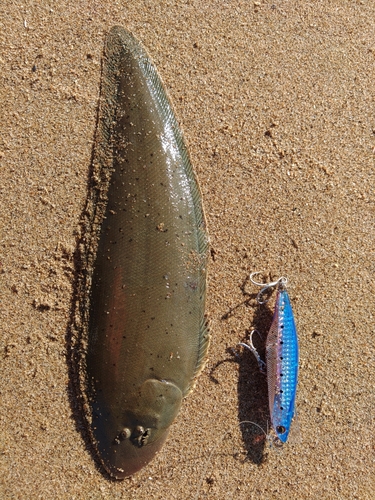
281,359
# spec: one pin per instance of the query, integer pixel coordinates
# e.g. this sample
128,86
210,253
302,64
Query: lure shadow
253,407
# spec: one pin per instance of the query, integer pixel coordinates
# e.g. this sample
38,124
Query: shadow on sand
253,408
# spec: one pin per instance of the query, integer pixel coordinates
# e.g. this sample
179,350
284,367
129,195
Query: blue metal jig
281,359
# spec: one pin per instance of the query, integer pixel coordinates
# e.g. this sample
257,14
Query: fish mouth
127,439
125,458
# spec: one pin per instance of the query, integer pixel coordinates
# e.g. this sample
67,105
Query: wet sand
276,103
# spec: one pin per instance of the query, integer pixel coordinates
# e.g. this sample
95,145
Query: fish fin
166,111
204,337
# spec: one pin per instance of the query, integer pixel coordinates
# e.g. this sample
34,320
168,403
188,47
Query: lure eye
280,429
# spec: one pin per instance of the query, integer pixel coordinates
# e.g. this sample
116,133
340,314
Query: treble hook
261,364
280,283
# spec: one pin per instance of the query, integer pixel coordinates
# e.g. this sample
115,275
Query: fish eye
139,430
139,436
125,433
280,429
143,438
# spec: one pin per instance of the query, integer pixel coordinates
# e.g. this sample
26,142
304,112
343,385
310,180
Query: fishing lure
281,359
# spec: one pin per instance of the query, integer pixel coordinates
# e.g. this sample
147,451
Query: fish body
282,365
147,335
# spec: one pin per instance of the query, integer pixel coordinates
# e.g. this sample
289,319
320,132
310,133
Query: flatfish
145,245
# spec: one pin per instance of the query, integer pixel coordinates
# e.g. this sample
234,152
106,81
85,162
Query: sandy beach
276,103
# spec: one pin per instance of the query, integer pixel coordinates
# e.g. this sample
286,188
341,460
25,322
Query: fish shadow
75,353
79,307
74,360
253,406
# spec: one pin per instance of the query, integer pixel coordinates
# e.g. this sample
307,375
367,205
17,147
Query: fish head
128,438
